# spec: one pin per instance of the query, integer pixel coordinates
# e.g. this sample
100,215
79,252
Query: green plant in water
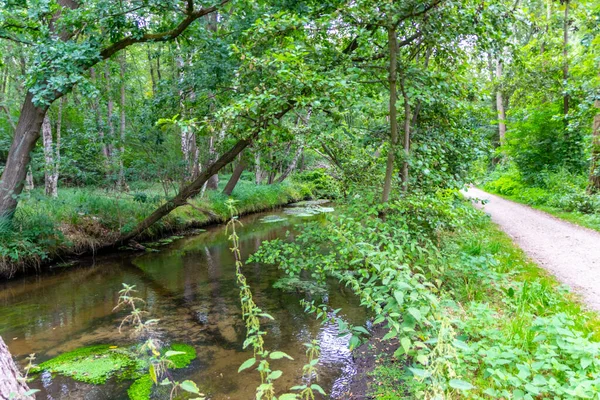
251,314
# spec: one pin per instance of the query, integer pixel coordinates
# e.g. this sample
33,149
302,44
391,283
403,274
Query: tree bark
235,177
19,155
110,108
407,120
99,127
11,385
500,105
29,184
594,179
259,176
292,165
392,81
48,156
30,121
122,184
213,182
188,191
566,60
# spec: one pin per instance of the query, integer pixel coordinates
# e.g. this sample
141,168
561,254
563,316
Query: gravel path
569,252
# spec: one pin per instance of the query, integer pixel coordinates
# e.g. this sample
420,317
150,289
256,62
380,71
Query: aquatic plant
94,364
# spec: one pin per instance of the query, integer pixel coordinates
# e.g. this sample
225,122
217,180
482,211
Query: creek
189,284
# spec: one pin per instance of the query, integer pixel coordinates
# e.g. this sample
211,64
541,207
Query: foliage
84,219
141,389
561,190
440,295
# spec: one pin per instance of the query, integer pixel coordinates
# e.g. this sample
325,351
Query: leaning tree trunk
292,166
11,385
235,177
392,78
188,191
26,135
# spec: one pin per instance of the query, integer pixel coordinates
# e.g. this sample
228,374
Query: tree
62,53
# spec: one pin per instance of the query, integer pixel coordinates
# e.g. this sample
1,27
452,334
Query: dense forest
124,123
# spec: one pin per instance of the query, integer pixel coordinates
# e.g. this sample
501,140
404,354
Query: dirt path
569,252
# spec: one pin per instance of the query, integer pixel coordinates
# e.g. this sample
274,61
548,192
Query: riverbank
82,221
508,318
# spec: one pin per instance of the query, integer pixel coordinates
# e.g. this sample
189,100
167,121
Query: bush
322,184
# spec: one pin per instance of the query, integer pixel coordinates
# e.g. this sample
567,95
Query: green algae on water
141,389
182,360
94,364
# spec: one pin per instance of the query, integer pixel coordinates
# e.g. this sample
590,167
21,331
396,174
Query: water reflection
190,285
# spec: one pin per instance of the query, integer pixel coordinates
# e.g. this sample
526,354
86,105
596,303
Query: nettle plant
158,362
394,267
251,315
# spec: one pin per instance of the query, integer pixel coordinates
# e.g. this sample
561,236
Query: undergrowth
562,194
471,316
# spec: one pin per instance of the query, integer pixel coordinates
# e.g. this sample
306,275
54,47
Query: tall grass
83,219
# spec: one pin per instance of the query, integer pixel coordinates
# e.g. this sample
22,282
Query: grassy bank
82,220
460,312
560,194
517,333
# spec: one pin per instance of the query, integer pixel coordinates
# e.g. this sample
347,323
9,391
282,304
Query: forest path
569,252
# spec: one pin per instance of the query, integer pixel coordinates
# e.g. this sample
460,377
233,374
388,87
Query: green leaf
275,375
190,387
318,388
288,396
399,296
415,313
247,364
460,384
405,342
277,355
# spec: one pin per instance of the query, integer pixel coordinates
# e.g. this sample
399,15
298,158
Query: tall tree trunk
110,110
48,156
29,184
122,184
258,173
213,182
292,165
594,181
235,177
392,81
11,384
152,73
407,119
57,159
98,117
500,105
19,155
566,61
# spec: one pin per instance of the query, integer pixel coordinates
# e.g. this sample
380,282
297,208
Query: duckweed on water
141,389
182,360
95,364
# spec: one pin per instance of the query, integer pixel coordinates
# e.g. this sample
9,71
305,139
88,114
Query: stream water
190,286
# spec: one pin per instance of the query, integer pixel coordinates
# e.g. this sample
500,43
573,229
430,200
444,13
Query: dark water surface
190,286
